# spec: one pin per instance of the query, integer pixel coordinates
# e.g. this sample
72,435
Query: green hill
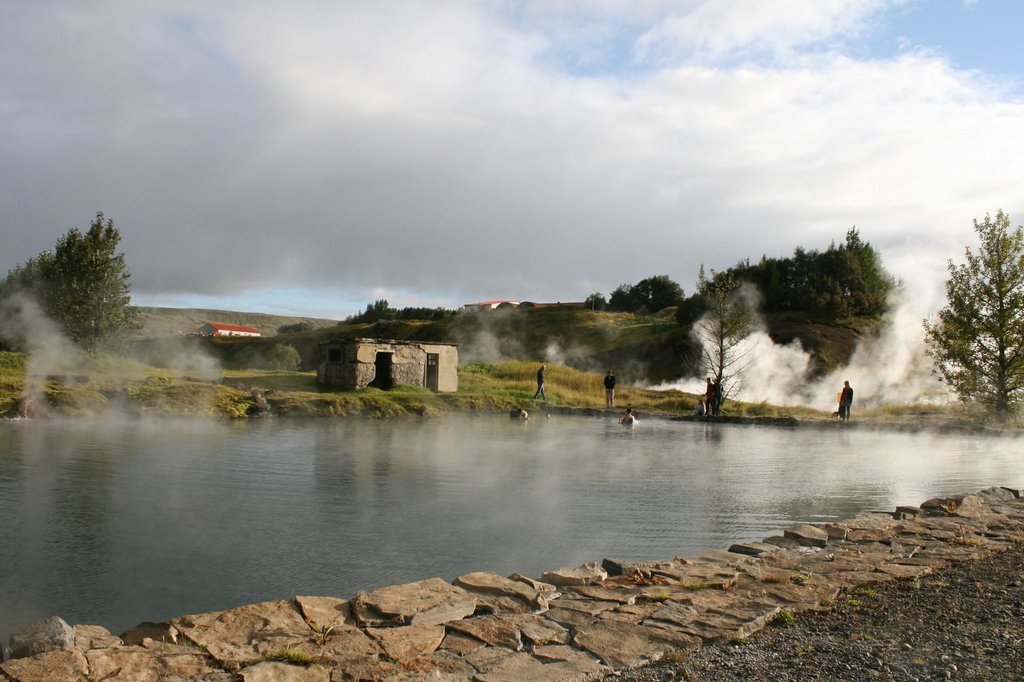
164,322
639,348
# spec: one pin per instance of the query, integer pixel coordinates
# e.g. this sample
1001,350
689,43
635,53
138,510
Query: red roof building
224,329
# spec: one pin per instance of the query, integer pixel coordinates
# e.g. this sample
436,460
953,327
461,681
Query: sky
307,158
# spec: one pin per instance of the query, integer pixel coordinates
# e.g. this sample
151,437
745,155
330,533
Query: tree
596,301
283,356
977,343
646,296
296,328
728,321
82,285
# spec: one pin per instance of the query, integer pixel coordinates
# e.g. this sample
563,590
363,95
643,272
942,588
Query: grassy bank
101,385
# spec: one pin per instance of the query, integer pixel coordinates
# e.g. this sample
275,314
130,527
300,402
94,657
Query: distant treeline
845,280
382,310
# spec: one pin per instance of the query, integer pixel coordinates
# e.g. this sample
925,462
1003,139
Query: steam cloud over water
890,368
49,351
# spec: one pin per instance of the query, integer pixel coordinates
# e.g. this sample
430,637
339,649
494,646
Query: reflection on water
116,523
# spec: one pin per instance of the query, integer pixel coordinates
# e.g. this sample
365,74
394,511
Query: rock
159,632
589,606
50,666
51,634
755,549
781,542
617,567
493,630
138,663
460,644
426,602
243,635
569,617
904,512
502,595
403,644
585,574
807,535
272,671
522,666
870,535
716,556
94,637
836,531
547,589
999,494
541,631
903,571
742,619
325,613
623,645
608,593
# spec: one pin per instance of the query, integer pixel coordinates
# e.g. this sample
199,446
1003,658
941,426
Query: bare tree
723,329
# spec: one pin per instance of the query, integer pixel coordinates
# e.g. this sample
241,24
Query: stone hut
384,363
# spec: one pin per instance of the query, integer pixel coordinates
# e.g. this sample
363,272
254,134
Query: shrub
283,356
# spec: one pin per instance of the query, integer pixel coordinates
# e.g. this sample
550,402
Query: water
115,523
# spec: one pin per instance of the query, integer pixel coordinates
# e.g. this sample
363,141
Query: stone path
576,623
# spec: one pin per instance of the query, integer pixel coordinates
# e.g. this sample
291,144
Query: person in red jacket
845,401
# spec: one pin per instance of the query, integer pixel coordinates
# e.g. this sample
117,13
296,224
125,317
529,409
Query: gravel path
965,622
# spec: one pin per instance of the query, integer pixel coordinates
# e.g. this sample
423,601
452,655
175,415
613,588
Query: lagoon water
117,522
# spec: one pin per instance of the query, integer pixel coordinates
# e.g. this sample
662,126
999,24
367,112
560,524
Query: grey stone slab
606,592
49,634
753,548
403,644
625,645
493,630
139,663
523,666
569,617
94,637
543,631
807,535
503,594
425,602
743,619
459,643
585,574
159,632
50,666
270,671
325,613
237,636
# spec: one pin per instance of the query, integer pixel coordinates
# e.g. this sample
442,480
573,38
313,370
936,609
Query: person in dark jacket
609,389
540,384
845,401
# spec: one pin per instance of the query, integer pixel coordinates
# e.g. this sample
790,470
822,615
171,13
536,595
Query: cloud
459,151
713,30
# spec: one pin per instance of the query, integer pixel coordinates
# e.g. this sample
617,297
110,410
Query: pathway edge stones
576,623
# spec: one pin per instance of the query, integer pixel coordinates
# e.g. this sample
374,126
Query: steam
891,367
49,352
182,357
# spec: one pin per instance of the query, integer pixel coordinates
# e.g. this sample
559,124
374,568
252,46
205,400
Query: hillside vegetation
641,349
165,322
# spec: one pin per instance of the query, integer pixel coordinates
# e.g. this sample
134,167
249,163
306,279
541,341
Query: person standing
609,389
716,398
845,401
540,384
709,393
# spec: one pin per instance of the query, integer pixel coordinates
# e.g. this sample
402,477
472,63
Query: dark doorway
382,375
433,360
